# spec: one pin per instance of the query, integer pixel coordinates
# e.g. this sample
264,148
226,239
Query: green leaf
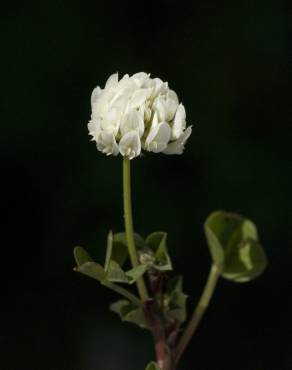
115,273
81,256
245,264
116,250
154,239
176,300
157,243
129,312
93,270
249,230
109,249
135,273
234,247
152,366
122,238
86,265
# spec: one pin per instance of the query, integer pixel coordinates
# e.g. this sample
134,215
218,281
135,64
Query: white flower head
137,112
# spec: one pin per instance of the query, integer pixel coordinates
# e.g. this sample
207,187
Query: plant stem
164,355
199,311
129,225
122,291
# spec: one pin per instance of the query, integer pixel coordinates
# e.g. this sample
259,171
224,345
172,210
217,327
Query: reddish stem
164,352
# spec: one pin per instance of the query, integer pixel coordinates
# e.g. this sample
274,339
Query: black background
229,64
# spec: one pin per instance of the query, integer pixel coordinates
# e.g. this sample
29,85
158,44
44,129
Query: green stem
199,311
129,225
122,291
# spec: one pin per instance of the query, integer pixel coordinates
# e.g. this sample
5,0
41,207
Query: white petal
139,97
132,121
95,95
157,85
94,128
111,121
141,110
160,108
177,147
107,144
130,145
164,88
112,81
145,111
158,138
140,78
90,127
179,122
170,107
113,115
97,130
125,92
172,95
163,135
151,136
124,82
119,101
101,105
154,120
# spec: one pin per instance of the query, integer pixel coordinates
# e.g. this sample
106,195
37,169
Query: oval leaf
93,270
157,243
245,264
135,273
154,239
129,312
115,273
234,247
116,251
175,300
81,256
122,238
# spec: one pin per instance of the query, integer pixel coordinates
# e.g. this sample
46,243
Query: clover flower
135,113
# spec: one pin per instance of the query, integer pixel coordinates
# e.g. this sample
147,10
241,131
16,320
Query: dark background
229,63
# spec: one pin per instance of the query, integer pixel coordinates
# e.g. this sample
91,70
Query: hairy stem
199,311
129,225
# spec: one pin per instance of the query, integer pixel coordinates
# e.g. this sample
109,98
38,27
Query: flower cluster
137,112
